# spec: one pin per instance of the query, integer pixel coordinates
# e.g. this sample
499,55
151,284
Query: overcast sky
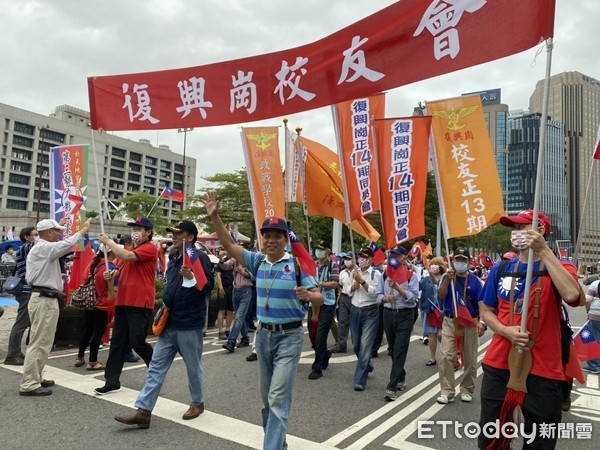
49,48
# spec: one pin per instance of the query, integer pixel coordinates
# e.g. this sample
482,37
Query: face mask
320,254
460,267
347,262
37,237
434,269
136,236
363,263
518,240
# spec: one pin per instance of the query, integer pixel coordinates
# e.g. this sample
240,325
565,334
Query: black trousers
398,327
95,324
379,335
542,404
131,325
322,355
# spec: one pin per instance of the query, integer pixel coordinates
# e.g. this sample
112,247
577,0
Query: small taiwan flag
172,194
379,256
306,263
397,271
192,260
585,343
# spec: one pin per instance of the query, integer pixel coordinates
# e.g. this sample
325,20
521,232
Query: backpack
85,296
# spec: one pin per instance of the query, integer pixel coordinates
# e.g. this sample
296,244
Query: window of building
148,180
45,146
133,187
114,173
178,168
149,190
162,183
165,174
18,191
113,195
133,177
135,167
45,196
178,186
133,156
45,133
16,204
17,166
150,171
44,207
24,128
43,170
22,141
150,160
44,158
17,153
165,164
115,184
117,163
178,177
165,212
119,152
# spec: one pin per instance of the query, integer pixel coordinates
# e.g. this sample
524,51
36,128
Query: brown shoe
141,418
193,411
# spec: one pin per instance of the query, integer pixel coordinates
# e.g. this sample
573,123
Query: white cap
48,224
101,248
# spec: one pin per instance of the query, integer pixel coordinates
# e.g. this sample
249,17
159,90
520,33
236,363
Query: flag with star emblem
306,263
585,343
173,194
191,260
397,271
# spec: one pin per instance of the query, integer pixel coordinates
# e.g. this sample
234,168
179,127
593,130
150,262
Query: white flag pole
99,192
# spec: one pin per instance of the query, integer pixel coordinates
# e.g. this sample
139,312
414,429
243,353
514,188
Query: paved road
326,413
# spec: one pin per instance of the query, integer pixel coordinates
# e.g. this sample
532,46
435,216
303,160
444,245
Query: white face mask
136,236
36,238
364,263
460,267
320,254
434,269
347,262
518,239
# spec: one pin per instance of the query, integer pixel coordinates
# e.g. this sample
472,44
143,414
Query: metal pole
185,132
39,193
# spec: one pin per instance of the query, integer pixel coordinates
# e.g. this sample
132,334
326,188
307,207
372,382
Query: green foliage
140,204
159,286
91,214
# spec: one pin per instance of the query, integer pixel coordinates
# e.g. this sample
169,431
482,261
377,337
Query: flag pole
157,199
286,145
377,174
343,170
99,192
583,211
303,151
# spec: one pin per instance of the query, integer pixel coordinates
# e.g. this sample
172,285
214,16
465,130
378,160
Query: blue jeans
188,343
278,355
363,327
241,302
594,364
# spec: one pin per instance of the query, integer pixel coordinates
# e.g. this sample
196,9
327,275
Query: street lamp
185,132
41,170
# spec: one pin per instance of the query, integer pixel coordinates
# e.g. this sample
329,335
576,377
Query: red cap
526,217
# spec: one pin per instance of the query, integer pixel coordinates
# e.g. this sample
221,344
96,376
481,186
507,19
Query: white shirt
43,268
346,282
361,298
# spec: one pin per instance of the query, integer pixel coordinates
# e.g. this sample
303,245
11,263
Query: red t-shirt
546,350
136,281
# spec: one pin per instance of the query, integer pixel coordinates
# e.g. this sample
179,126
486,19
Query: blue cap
274,223
399,250
342,255
141,222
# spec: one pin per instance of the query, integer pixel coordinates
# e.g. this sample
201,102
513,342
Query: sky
50,48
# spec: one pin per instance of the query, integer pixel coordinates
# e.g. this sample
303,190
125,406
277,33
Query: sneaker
229,347
375,354
390,396
425,341
314,375
444,399
466,398
339,350
566,404
14,361
47,383
131,358
402,385
585,368
243,344
39,392
107,390
359,387
251,357
222,336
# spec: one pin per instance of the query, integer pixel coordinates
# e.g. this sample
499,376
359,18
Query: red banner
355,147
408,41
402,154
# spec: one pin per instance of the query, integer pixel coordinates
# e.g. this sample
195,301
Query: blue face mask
320,254
461,267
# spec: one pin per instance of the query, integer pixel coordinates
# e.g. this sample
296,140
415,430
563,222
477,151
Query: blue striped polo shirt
277,281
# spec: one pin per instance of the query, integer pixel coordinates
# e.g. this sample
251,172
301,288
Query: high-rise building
574,101
523,151
124,166
496,119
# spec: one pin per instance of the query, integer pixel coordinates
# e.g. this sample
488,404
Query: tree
139,205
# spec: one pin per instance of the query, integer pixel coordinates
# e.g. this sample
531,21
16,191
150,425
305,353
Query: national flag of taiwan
416,249
192,260
396,270
486,260
585,344
379,255
307,265
435,316
464,316
596,154
172,194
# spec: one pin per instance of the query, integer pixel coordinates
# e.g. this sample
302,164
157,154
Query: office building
124,166
574,101
523,151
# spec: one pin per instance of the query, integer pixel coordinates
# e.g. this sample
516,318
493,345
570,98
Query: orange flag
469,190
402,168
261,151
324,193
355,147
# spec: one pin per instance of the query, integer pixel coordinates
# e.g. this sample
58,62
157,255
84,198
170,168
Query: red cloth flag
435,316
415,250
563,252
172,194
379,255
429,38
464,316
397,271
596,154
306,263
585,343
573,368
192,260
80,270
